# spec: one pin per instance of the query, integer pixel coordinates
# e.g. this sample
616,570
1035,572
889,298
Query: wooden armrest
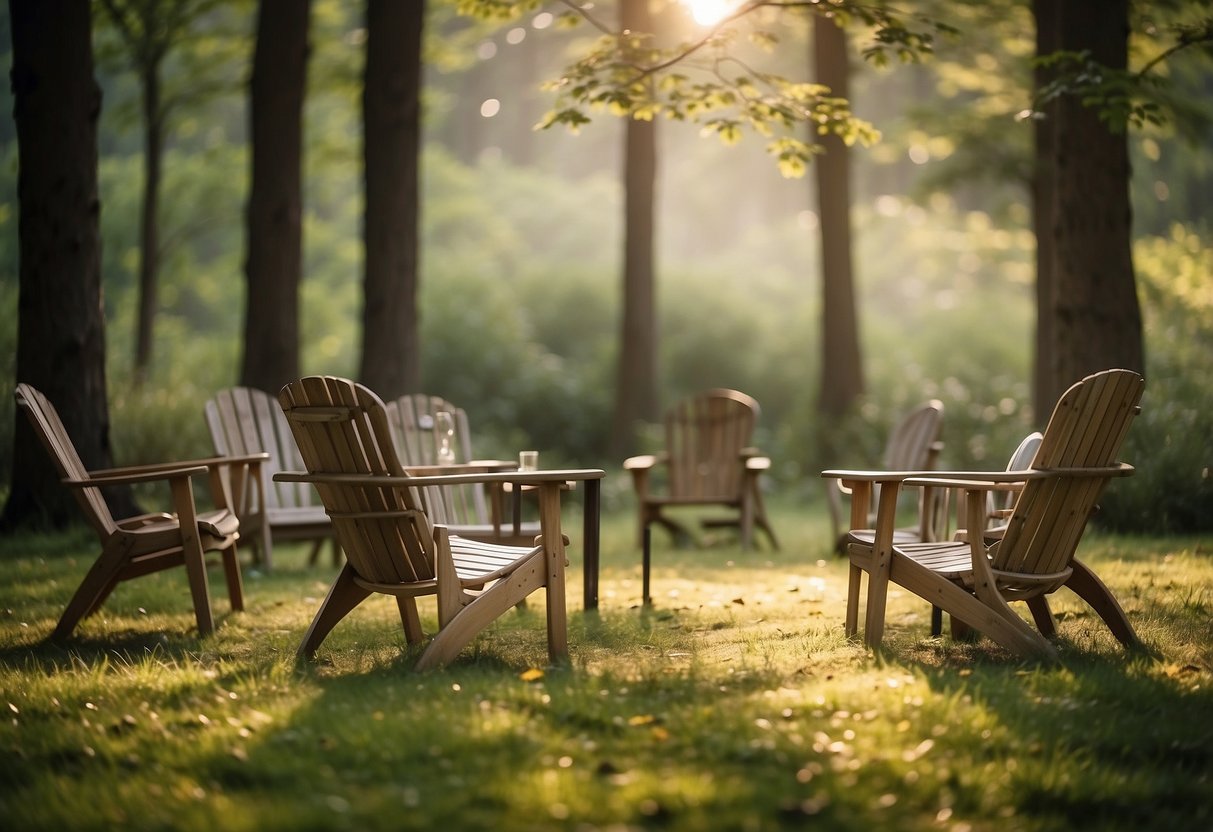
847,475
757,463
118,476
1012,480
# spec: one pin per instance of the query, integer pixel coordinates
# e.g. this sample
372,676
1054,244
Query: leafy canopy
716,76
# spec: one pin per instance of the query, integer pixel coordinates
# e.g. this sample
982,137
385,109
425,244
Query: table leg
590,532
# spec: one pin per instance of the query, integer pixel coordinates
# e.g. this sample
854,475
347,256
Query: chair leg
486,608
1043,616
854,581
1087,586
96,586
409,619
936,621
554,562
231,572
343,596
265,555
191,549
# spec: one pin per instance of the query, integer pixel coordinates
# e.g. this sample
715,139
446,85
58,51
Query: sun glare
707,12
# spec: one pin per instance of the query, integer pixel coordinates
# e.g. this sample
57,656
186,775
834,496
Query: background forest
521,244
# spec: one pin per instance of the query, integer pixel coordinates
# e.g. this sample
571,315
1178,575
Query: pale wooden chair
147,543
707,461
244,420
392,546
471,510
913,445
973,580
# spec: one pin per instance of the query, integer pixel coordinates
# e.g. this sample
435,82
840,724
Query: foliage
715,78
734,702
1171,443
1121,96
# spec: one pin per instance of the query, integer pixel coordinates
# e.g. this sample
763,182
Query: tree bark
1097,317
841,361
391,101
61,328
636,383
1045,388
275,208
149,264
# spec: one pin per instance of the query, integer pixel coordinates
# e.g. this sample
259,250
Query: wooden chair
471,510
973,580
392,546
137,546
708,461
913,445
244,420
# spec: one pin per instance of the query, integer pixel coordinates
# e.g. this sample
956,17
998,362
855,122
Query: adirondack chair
708,461
147,543
471,510
391,545
973,580
913,445
243,420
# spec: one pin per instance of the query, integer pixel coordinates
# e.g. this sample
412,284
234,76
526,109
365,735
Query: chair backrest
341,427
704,436
1086,430
1020,460
244,420
415,430
912,442
53,435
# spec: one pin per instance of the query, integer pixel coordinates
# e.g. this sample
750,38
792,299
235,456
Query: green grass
735,702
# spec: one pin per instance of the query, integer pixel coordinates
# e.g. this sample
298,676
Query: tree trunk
275,208
1097,317
149,265
61,329
636,385
841,364
391,102
1045,388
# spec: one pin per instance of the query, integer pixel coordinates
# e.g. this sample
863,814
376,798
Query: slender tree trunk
1045,388
275,208
149,265
60,329
841,364
1097,315
391,101
636,384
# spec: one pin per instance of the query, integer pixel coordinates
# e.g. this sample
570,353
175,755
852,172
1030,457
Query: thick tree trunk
636,384
60,329
841,364
149,265
391,100
1097,317
1045,388
275,208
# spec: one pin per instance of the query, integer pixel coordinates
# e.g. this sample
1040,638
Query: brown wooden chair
913,445
137,546
243,420
478,511
973,580
707,461
392,546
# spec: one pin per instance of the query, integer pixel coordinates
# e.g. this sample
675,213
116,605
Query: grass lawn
733,703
